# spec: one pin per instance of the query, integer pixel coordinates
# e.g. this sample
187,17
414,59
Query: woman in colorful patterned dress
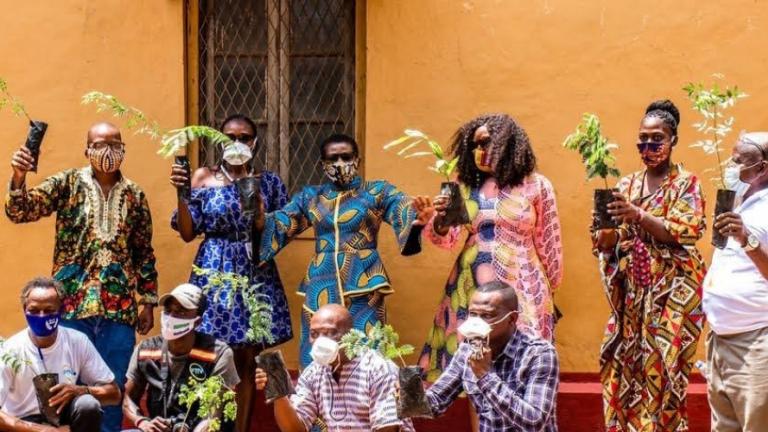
514,234
214,211
346,213
652,274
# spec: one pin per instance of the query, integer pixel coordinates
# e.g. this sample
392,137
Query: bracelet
141,420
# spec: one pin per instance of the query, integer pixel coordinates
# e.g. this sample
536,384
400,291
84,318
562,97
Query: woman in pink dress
513,236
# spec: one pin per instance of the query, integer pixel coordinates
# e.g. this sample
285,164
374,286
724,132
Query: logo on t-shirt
70,376
197,371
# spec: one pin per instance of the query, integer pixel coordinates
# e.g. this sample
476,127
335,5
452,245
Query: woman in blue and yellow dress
346,213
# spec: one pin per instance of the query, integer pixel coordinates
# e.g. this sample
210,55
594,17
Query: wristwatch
752,243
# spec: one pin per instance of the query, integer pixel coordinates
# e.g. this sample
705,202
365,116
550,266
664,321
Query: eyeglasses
650,146
483,143
346,157
242,138
114,145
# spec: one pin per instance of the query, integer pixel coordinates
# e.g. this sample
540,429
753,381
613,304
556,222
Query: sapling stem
717,148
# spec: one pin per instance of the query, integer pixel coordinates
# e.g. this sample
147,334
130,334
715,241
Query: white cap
188,295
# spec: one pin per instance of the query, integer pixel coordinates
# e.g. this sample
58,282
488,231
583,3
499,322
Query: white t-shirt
735,293
72,356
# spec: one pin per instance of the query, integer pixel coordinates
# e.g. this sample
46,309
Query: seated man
344,394
46,348
512,383
178,354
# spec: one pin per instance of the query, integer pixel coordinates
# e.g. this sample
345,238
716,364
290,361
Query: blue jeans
114,341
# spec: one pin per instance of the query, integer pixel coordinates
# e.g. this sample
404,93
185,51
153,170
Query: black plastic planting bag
249,189
456,212
603,219
43,384
35,139
279,382
413,399
184,193
724,204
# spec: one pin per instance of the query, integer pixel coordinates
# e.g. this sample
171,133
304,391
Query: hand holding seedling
179,177
157,424
730,224
624,211
261,379
62,395
481,365
22,162
424,210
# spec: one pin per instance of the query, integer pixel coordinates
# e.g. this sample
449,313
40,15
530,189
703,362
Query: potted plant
384,339
36,128
456,211
43,384
214,401
595,152
712,102
10,359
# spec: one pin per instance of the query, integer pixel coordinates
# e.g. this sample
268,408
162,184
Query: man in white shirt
736,296
45,348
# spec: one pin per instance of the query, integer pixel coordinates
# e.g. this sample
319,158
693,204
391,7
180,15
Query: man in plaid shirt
514,385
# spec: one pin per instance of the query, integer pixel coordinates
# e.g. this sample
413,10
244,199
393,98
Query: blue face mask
43,325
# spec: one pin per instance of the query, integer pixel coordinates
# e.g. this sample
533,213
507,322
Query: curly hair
511,149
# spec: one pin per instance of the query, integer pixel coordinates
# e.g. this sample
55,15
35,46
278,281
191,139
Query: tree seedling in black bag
43,384
36,128
279,382
595,151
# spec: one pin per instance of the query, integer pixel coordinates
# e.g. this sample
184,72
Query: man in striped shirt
512,383
345,395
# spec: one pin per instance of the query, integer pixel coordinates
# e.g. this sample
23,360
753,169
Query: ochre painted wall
431,64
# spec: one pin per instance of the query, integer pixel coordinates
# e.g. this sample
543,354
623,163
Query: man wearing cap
162,364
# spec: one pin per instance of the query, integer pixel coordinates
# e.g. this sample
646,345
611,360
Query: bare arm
13,424
286,416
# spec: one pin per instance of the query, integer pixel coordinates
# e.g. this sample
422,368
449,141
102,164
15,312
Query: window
287,64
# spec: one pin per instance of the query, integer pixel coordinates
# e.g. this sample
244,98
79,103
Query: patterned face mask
106,159
341,172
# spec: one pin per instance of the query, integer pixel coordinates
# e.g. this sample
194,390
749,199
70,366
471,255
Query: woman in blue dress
214,211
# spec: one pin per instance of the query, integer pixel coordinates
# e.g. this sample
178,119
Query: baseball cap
188,295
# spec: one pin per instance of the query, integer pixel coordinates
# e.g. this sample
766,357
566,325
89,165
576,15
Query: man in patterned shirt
514,384
103,253
343,394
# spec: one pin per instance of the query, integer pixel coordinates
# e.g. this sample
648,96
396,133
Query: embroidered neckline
104,213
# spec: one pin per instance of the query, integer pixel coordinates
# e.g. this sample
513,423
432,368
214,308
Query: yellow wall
431,64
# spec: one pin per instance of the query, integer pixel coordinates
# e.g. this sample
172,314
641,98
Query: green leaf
396,142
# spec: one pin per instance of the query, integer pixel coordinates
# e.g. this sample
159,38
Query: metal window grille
287,64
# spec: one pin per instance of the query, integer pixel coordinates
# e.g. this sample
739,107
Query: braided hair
510,146
665,110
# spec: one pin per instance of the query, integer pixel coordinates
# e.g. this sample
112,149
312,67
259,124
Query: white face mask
732,178
476,327
324,351
173,328
237,153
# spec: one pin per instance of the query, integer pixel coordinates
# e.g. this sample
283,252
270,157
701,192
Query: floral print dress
216,214
514,237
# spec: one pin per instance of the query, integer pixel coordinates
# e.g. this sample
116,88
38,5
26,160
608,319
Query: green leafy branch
9,358
213,397
170,141
7,99
259,305
711,102
381,338
413,138
594,148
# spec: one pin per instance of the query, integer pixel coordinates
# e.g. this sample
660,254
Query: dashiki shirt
514,237
217,215
346,268
654,291
362,399
103,252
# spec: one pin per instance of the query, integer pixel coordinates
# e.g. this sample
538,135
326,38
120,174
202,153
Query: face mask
476,327
340,172
483,160
173,328
237,153
43,325
106,160
324,351
732,180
